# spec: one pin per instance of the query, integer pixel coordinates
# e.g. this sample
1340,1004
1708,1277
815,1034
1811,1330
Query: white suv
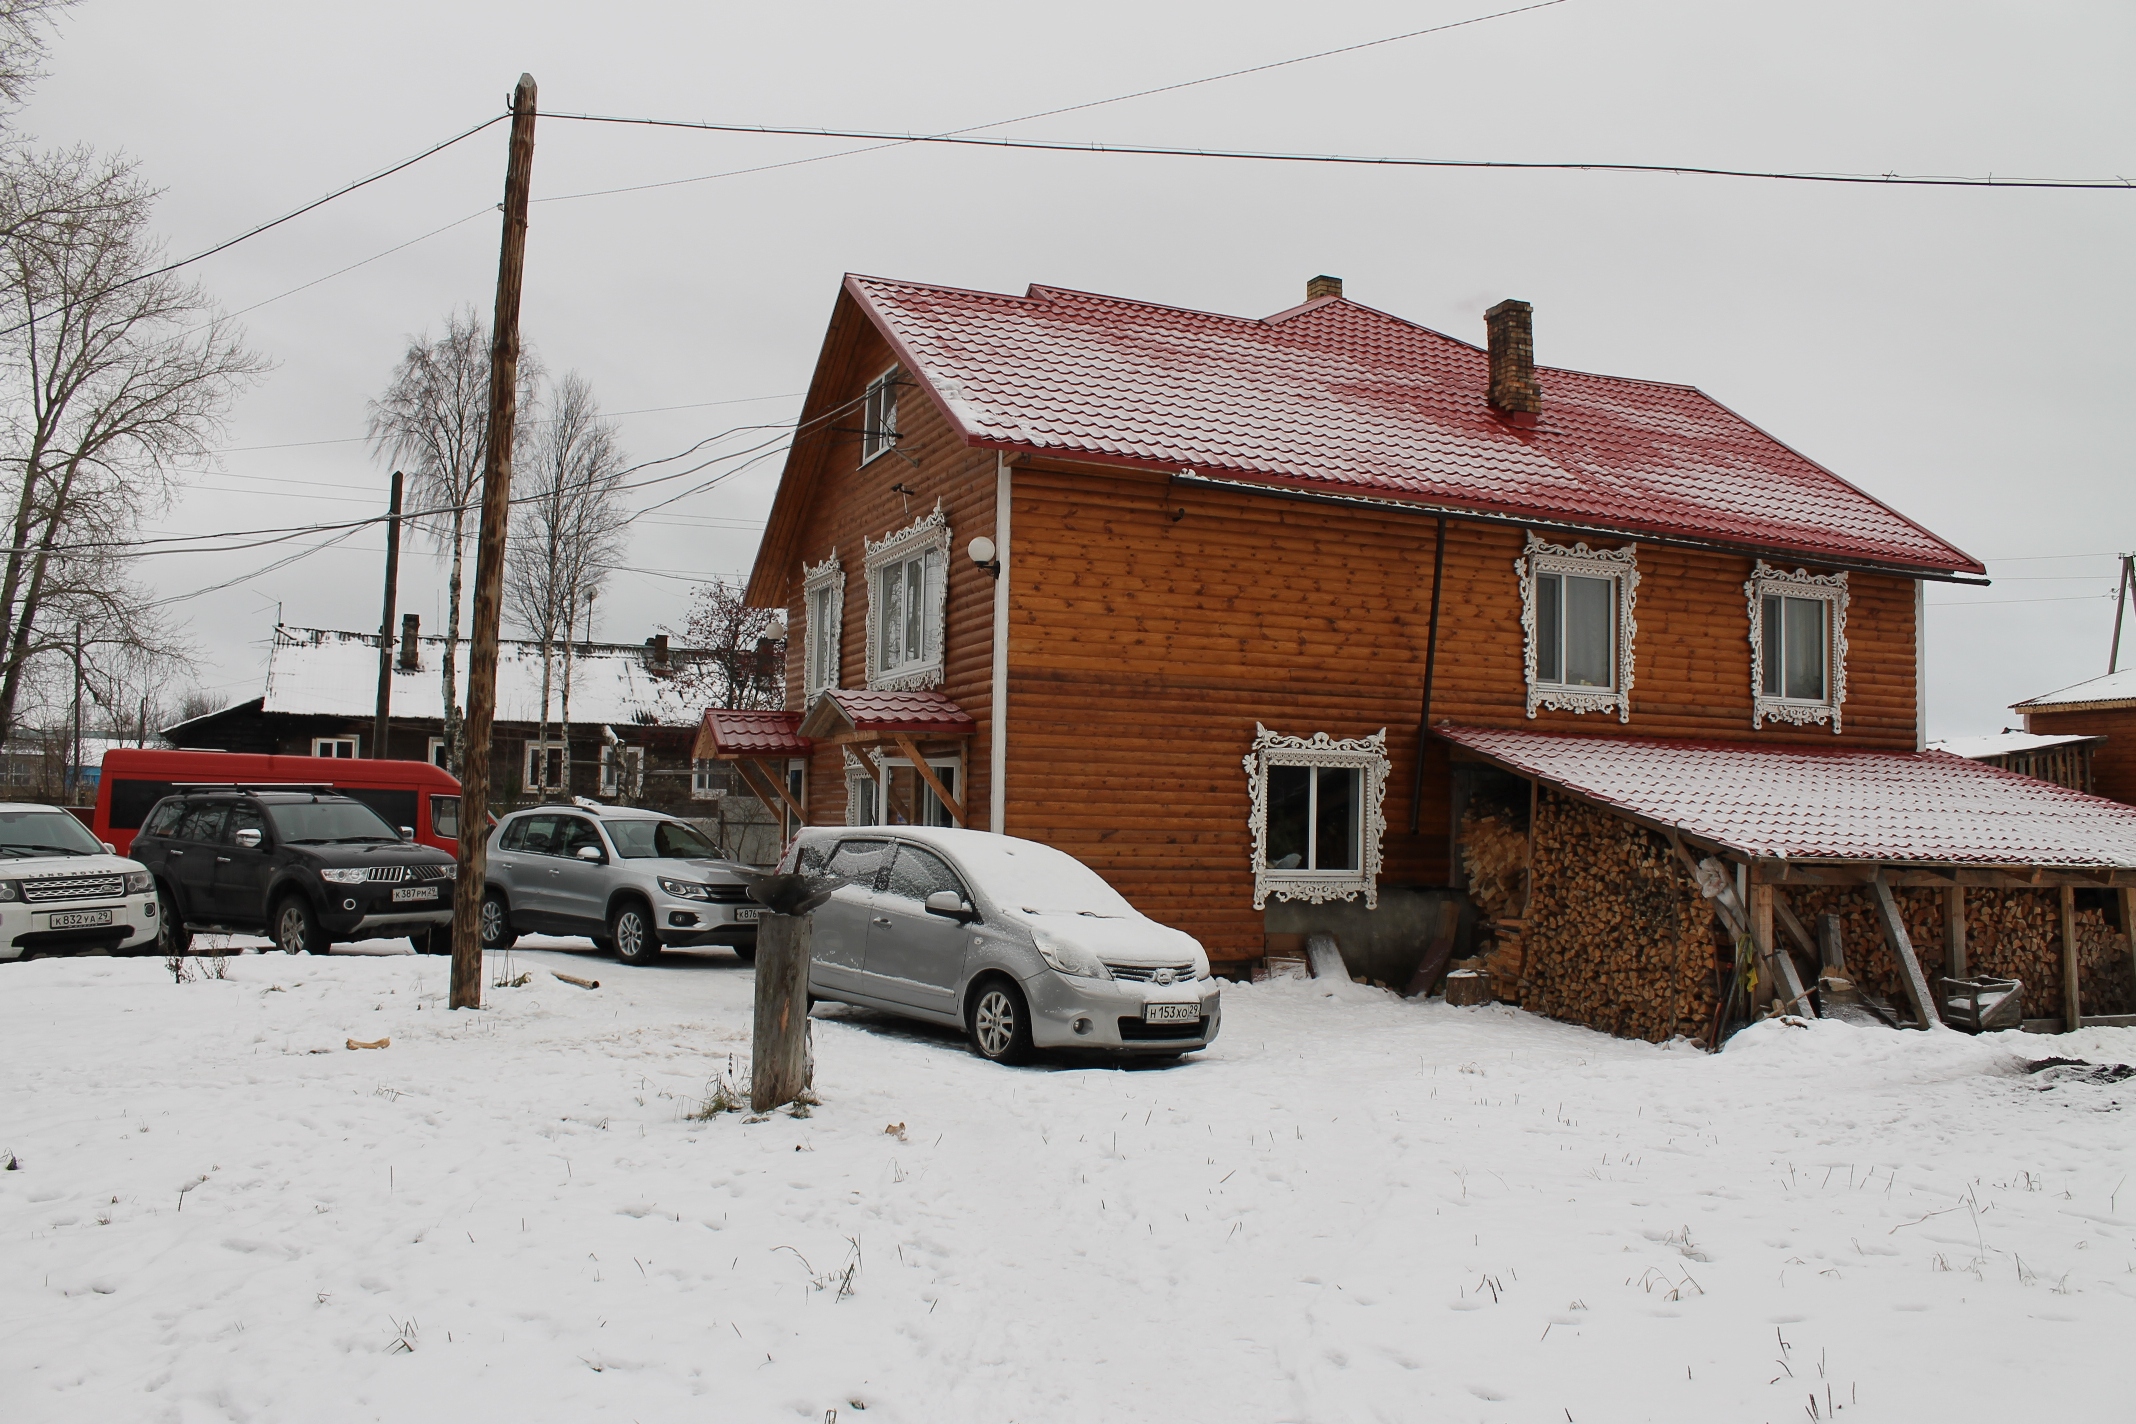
63,891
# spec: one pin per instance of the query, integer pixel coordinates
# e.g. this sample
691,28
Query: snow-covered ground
1351,1208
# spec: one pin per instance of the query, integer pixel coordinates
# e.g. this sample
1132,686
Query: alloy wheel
289,929
994,1023
630,935
492,921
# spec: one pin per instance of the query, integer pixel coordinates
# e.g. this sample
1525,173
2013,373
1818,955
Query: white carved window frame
1369,756
1621,567
859,774
1768,582
926,537
819,636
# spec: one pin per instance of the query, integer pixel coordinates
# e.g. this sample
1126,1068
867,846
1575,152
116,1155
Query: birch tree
432,423
112,383
567,531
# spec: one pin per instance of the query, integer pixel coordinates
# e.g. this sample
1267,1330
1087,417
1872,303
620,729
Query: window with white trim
887,791
860,791
822,613
544,768
907,578
440,753
878,424
1798,646
1316,808
1577,618
708,779
333,746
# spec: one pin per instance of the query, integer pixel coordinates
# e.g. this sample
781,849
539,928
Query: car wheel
745,953
632,932
172,937
296,928
497,932
1000,1023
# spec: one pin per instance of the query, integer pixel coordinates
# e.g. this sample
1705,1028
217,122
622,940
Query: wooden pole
1910,977
1831,947
489,561
1954,932
2072,991
2121,598
780,1066
74,789
385,622
1431,660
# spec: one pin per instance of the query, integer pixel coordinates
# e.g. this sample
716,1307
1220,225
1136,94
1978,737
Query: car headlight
685,889
1068,957
10,890
354,875
138,882
450,870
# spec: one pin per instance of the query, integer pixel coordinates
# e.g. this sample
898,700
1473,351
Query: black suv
306,869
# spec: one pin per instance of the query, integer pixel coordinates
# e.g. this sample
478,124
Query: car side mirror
248,838
592,853
109,848
951,906
407,833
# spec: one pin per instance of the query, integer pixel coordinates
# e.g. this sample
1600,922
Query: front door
838,933
240,892
580,887
914,957
190,862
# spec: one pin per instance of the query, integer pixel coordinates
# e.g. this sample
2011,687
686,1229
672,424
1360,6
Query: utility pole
385,622
2121,597
74,791
489,561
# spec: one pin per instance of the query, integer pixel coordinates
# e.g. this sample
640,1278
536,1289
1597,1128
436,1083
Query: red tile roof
1340,398
916,714
730,732
1807,803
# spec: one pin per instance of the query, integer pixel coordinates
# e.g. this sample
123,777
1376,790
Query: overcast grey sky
1964,355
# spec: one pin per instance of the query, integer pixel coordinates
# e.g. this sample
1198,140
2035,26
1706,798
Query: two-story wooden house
1225,607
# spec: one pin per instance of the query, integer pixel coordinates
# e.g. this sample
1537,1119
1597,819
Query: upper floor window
822,612
907,577
878,427
1315,808
1577,613
1798,646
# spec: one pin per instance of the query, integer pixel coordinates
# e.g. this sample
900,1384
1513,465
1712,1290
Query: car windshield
1038,879
667,840
328,823
26,833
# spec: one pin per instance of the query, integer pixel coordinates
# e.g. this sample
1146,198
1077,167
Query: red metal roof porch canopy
750,739
857,718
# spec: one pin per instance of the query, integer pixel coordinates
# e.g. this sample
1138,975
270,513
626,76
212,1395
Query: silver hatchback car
1018,944
632,881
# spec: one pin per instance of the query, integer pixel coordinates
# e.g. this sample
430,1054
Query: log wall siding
1144,647
852,503
2113,765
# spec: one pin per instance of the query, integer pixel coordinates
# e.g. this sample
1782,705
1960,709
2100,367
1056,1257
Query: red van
407,793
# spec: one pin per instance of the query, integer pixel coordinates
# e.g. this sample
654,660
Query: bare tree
746,666
567,530
433,423
22,42
112,381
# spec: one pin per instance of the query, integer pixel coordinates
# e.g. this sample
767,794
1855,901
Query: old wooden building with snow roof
1265,618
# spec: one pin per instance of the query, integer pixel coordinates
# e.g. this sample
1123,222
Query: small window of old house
879,415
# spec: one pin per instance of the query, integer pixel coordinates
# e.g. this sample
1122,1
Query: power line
605,415
1152,150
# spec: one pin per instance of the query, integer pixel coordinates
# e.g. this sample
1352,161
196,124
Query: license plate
416,892
747,915
79,919
1170,1013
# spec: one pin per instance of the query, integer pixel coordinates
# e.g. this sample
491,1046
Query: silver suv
632,881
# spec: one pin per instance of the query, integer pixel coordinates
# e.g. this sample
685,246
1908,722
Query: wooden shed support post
1910,977
2128,929
1954,932
1775,963
2072,991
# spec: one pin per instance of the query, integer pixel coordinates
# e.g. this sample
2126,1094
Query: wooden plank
1954,931
927,774
772,794
1776,963
1792,925
1910,977
2072,991
1831,946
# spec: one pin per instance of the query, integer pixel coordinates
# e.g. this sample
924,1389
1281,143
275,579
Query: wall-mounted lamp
775,626
985,556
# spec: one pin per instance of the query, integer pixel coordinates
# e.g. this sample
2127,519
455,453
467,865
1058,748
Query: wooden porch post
1954,932
2072,992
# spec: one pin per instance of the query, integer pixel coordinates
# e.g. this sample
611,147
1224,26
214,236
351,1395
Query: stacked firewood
2106,980
1618,936
1495,854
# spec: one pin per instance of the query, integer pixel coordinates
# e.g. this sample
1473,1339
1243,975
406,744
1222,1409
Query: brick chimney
1514,392
1318,287
658,646
410,654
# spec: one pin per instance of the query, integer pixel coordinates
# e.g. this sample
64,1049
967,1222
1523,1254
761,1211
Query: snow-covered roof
2115,689
1820,803
2004,744
326,672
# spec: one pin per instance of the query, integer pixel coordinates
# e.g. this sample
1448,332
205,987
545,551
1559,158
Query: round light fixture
982,550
